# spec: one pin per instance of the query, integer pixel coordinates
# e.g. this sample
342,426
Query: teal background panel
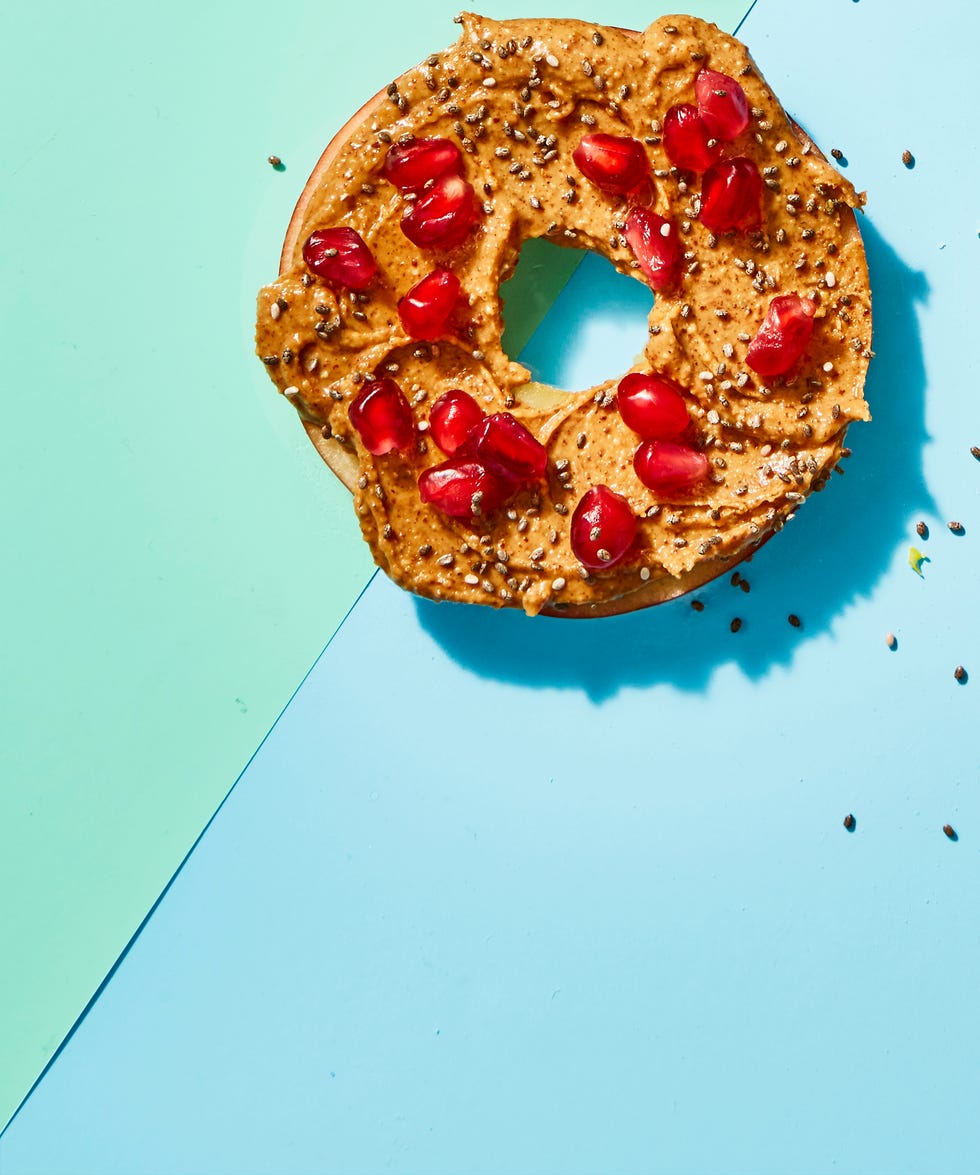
175,553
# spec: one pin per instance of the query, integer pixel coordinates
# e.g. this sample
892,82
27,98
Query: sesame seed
603,555
471,579
558,584
891,640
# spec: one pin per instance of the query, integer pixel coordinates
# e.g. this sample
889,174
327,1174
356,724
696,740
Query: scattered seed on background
956,527
736,624
960,673
908,158
922,530
950,831
891,640
276,162
849,822
794,620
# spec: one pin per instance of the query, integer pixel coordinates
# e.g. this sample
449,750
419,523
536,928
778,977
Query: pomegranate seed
722,104
603,528
452,418
442,216
462,488
686,139
505,446
427,307
653,406
340,255
731,196
783,336
382,416
667,467
614,163
410,166
656,244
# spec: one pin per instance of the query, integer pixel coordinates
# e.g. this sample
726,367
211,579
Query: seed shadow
833,553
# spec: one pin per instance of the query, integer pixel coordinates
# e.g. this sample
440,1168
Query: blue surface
499,895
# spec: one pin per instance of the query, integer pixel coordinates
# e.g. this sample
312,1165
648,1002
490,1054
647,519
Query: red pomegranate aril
722,104
731,196
382,417
441,218
667,467
410,166
687,140
505,446
341,256
614,163
452,418
462,488
427,307
603,528
656,244
652,406
783,336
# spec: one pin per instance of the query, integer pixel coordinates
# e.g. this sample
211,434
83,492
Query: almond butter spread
517,98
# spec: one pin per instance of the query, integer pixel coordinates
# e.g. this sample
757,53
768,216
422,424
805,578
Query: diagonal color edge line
748,13
166,889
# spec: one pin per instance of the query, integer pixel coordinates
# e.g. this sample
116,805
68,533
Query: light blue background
499,895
